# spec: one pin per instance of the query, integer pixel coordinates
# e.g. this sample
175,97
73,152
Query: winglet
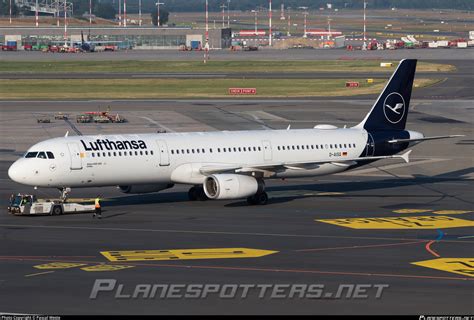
67,134
405,156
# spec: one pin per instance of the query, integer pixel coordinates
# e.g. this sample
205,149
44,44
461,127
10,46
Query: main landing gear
259,198
197,193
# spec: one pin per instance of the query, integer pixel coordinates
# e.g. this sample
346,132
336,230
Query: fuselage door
370,147
267,150
163,151
75,153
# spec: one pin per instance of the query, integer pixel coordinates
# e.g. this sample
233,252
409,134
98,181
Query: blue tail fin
391,108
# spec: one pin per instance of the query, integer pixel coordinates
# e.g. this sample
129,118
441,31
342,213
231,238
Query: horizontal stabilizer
425,138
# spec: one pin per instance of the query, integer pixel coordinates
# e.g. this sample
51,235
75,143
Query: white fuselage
178,157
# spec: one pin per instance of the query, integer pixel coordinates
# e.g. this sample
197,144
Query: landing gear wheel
260,198
251,200
201,194
193,194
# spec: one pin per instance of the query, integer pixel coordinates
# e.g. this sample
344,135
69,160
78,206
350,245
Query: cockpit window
50,155
31,155
41,155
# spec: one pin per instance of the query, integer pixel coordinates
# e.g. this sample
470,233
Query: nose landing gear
64,193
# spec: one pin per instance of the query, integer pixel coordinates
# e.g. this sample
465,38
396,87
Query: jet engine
145,188
232,186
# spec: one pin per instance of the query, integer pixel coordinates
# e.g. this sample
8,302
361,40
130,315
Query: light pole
329,28
228,14
65,23
158,13
57,14
140,13
120,12
223,6
270,23
365,39
289,22
206,46
256,20
36,14
90,12
125,13
10,11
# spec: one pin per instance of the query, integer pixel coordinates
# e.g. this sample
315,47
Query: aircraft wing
294,165
425,138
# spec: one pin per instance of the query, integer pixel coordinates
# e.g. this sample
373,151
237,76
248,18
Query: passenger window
259,149
235,149
345,146
151,152
254,149
210,150
239,149
31,155
218,149
103,154
182,151
172,151
41,155
197,150
203,151
120,153
50,155
141,153
93,155
192,150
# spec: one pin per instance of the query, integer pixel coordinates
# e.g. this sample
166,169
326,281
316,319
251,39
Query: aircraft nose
15,172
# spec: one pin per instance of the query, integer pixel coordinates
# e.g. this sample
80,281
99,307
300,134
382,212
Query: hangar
131,37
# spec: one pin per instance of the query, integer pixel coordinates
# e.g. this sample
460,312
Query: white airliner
227,164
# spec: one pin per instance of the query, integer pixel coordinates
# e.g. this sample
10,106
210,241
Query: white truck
25,204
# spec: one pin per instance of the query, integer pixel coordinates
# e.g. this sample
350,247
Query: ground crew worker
98,209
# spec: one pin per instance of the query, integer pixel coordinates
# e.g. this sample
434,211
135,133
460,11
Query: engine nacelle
145,188
231,186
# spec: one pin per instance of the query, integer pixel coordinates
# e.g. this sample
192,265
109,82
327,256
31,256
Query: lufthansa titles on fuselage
101,144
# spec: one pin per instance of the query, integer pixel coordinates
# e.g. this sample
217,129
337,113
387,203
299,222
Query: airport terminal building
131,37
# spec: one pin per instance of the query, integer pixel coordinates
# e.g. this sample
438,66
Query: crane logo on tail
394,107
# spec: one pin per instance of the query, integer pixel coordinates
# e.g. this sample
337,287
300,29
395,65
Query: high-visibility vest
97,203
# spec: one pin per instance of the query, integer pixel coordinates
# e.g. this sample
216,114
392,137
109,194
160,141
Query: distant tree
104,10
164,14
